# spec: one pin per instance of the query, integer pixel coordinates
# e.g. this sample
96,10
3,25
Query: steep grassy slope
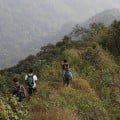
80,100
93,95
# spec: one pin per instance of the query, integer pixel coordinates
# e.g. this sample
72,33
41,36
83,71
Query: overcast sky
80,10
47,16
59,11
28,22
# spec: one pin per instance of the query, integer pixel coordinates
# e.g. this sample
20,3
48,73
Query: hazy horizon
58,12
26,25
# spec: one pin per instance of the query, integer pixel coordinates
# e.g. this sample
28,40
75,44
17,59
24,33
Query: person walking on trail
19,90
31,80
67,77
65,65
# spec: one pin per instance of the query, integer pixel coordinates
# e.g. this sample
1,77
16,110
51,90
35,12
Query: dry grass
54,114
81,84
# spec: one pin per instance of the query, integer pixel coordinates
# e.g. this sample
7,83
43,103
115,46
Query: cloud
80,10
67,10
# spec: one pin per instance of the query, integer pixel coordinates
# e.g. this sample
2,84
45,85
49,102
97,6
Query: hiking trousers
32,90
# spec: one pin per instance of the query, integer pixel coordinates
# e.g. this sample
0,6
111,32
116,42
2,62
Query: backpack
67,75
20,92
30,81
23,91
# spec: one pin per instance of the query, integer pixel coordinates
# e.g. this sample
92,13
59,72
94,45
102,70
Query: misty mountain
64,30
24,28
106,17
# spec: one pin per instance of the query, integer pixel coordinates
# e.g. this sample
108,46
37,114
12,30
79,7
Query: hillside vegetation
95,90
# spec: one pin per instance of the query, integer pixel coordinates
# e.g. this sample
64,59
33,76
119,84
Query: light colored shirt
34,79
71,75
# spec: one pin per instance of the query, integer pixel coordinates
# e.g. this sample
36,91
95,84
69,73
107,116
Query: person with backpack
67,77
31,80
65,65
19,90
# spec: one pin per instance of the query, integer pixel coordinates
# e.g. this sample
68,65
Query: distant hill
106,17
24,28
23,31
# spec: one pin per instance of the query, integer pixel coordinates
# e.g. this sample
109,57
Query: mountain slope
106,17
95,91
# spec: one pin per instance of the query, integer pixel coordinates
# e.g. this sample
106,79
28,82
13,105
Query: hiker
65,65
31,80
67,77
19,90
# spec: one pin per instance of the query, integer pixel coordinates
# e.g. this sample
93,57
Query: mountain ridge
29,38
94,92
106,17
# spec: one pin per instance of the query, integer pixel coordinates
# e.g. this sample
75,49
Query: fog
26,25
